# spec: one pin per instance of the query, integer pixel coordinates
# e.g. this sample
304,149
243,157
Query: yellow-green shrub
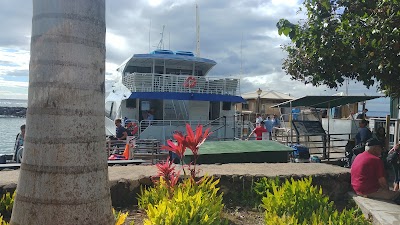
264,186
120,217
191,203
352,216
295,198
153,195
3,222
299,202
6,204
280,220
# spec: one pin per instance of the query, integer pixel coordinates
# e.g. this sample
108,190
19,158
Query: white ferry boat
169,89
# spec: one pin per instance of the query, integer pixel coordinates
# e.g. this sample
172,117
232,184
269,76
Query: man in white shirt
258,118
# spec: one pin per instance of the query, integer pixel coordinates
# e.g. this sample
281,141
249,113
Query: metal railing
329,146
221,128
148,150
149,82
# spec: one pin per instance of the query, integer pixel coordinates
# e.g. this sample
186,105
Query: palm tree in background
64,174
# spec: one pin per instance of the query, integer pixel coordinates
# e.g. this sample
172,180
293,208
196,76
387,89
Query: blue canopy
187,96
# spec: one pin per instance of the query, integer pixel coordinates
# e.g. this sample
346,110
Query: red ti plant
178,148
167,171
192,140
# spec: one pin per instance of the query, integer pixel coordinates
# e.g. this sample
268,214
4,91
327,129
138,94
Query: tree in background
355,39
64,172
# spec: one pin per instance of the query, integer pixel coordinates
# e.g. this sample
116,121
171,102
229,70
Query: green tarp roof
325,101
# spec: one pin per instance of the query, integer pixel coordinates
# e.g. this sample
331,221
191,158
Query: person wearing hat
368,174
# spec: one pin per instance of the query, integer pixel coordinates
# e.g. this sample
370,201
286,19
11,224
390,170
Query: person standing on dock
19,142
258,118
269,127
276,124
258,131
363,115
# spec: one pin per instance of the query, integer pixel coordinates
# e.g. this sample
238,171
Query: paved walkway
264,169
381,212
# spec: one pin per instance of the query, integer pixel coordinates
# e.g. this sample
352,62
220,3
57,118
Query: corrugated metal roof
325,102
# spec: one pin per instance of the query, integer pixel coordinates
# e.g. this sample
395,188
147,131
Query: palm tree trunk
64,173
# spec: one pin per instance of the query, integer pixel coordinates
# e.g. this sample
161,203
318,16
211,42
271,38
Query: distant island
13,111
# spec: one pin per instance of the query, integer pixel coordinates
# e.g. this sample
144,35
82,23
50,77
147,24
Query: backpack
392,157
360,148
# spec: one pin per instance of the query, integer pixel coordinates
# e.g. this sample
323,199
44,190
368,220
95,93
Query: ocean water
13,103
9,128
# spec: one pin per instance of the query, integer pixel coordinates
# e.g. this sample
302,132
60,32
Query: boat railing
163,130
328,146
149,82
148,150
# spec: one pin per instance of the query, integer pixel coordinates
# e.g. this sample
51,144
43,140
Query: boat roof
325,102
273,95
178,59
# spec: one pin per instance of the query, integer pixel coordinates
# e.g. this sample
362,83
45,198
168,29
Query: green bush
295,198
352,216
264,186
153,195
280,220
6,204
191,203
299,202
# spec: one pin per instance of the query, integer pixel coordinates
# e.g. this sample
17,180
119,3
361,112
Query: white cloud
12,60
222,26
13,84
115,41
155,3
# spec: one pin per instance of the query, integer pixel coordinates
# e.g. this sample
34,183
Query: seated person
368,174
150,114
363,133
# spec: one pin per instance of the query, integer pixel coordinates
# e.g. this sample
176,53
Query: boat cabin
173,88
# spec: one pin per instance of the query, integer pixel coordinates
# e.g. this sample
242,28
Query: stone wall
124,192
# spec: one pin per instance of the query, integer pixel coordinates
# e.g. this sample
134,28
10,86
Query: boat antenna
241,57
149,34
197,31
161,43
241,63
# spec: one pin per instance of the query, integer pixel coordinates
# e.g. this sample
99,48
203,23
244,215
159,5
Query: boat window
178,71
137,69
199,73
159,69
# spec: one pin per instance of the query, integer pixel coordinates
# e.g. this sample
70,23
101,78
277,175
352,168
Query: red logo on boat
190,82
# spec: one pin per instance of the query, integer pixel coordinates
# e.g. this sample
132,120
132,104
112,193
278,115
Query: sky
240,35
